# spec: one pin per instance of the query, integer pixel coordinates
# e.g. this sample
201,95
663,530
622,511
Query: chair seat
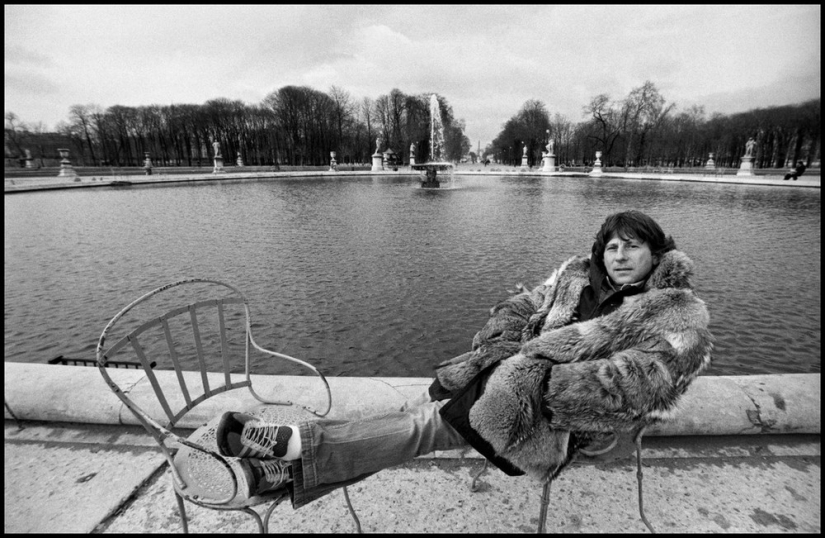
209,481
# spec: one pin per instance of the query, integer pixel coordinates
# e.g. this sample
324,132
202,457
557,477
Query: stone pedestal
524,165
239,160
597,165
710,165
218,169
432,179
746,168
377,162
66,169
29,160
549,162
412,159
147,164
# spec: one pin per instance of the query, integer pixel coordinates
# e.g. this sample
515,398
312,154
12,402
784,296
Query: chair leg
182,510
473,486
545,501
257,517
265,527
638,441
352,512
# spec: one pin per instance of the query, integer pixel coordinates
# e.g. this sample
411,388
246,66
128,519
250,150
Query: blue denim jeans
337,453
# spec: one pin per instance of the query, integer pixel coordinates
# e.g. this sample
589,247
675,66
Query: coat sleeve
608,394
509,318
581,341
500,338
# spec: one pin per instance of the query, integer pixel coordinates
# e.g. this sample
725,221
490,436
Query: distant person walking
798,171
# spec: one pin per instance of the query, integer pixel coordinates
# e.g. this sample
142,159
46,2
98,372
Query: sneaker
600,443
265,476
243,436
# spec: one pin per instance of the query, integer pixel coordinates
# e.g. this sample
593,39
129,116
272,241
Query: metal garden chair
182,339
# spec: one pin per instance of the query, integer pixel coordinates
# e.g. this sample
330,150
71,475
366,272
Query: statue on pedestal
746,168
147,163
749,145
377,159
218,159
66,169
548,157
710,164
597,165
524,164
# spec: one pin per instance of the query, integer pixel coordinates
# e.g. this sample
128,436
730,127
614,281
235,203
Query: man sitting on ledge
798,171
608,343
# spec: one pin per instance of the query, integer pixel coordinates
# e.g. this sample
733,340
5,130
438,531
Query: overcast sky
486,60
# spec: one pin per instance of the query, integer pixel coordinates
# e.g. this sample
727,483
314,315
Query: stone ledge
725,405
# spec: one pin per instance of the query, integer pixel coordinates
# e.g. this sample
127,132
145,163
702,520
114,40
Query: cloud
19,55
486,60
29,83
792,90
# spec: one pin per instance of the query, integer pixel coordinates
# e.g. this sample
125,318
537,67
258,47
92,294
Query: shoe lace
261,437
275,471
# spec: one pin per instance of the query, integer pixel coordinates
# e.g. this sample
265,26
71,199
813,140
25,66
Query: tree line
300,126
642,129
294,125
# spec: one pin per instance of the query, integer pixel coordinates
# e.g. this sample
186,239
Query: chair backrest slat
173,354
224,347
151,375
120,344
147,345
193,316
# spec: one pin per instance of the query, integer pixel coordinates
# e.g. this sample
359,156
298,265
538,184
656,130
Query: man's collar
621,287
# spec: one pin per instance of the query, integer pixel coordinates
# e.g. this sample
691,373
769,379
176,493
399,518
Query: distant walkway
31,183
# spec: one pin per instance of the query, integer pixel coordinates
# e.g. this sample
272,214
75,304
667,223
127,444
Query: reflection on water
375,276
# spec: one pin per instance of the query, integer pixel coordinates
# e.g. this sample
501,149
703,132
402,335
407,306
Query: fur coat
554,375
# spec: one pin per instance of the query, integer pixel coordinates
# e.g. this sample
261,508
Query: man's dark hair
631,224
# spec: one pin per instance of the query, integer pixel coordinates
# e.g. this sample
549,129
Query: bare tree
15,131
368,118
604,123
81,115
643,111
342,110
561,131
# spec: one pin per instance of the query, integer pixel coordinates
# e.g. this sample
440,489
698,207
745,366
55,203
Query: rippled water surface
375,276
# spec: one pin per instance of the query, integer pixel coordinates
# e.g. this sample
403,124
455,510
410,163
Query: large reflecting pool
375,276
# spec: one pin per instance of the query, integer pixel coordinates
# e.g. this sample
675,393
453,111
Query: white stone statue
749,145
378,145
550,145
216,148
524,151
412,148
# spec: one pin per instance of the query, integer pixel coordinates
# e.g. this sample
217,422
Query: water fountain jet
436,162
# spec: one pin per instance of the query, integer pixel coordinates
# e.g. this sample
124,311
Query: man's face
628,260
